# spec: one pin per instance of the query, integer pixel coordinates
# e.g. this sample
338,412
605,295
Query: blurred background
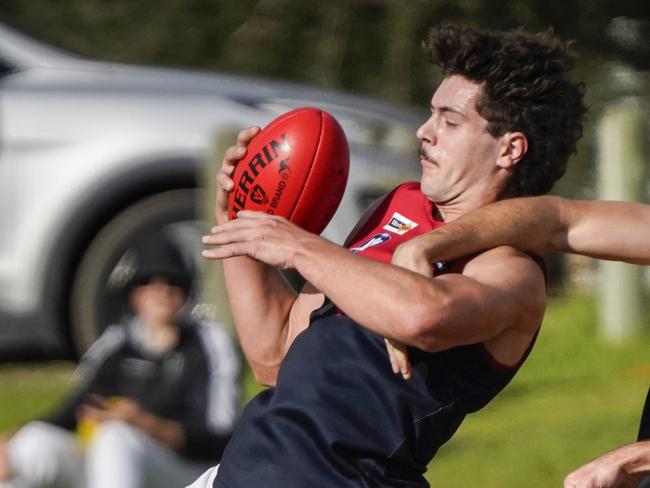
112,115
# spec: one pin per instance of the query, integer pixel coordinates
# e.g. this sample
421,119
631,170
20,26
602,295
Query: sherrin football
296,167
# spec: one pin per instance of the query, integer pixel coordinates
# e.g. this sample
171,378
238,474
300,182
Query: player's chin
430,187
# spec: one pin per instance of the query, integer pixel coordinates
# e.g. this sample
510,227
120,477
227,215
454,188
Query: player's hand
600,477
399,358
270,239
225,184
609,470
412,256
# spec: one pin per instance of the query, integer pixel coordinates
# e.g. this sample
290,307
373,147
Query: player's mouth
426,156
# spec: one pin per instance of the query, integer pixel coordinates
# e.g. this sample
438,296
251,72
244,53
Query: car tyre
98,296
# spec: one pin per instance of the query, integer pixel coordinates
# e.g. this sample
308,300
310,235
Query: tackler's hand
410,255
620,468
224,182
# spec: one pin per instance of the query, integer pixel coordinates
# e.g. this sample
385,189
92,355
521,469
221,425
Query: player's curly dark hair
526,88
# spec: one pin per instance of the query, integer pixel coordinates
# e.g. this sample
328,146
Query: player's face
158,301
458,155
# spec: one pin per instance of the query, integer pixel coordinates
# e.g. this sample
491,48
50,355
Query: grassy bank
576,397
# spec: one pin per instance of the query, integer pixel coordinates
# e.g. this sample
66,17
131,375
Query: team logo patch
373,241
400,224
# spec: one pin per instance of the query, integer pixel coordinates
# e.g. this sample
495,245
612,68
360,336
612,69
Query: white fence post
622,176
213,289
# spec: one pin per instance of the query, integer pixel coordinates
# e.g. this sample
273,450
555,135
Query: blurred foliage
369,46
364,46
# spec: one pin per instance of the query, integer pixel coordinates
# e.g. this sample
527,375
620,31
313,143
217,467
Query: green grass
576,397
29,390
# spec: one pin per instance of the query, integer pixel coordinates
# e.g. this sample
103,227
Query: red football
296,167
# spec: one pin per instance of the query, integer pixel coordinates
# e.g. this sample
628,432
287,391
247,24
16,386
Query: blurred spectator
157,401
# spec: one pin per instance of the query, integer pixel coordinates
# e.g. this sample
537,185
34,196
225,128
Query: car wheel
98,297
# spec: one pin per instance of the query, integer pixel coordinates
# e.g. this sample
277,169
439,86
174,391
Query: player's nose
426,132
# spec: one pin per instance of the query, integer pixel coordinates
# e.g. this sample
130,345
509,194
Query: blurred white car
93,155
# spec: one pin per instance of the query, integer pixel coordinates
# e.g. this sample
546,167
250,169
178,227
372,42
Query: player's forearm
531,224
260,301
382,298
618,231
608,230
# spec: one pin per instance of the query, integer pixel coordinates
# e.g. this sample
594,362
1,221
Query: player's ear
513,148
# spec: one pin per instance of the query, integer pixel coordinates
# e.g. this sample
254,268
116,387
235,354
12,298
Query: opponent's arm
601,229
260,299
607,230
621,468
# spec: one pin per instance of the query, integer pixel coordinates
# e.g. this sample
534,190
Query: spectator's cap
159,258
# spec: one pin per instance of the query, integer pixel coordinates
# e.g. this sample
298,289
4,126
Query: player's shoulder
506,261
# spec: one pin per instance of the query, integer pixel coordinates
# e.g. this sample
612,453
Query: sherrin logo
399,224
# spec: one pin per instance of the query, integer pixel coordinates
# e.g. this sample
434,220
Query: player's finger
239,231
226,251
250,220
252,214
239,224
404,364
224,181
224,238
400,353
246,135
391,356
233,154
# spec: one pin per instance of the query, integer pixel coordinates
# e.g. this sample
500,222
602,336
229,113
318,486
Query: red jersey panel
403,214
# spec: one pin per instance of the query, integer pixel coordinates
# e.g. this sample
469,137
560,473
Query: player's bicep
514,284
498,290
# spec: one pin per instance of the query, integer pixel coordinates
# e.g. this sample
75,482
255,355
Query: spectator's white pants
119,455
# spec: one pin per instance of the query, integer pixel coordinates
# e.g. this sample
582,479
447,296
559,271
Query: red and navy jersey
339,417
403,214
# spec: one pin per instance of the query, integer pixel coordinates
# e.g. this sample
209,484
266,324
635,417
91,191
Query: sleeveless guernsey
339,417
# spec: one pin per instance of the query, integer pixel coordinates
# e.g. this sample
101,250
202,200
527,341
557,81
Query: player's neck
462,204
